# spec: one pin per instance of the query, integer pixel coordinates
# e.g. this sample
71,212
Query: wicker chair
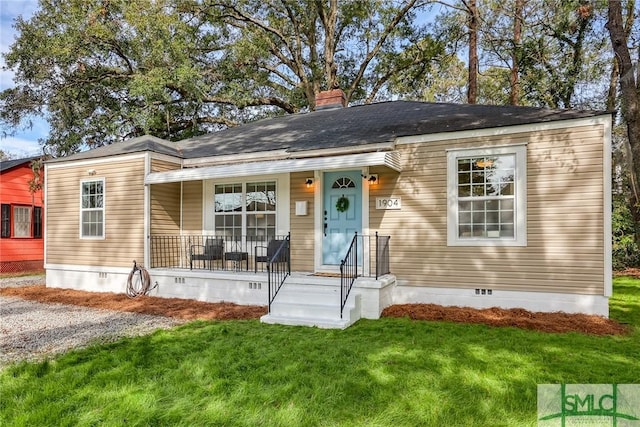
271,249
213,249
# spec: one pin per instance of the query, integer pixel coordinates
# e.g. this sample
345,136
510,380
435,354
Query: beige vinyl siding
302,234
158,165
123,211
165,209
565,219
165,204
192,207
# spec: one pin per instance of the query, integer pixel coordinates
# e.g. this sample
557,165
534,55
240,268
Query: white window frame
520,205
244,213
17,224
103,209
282,201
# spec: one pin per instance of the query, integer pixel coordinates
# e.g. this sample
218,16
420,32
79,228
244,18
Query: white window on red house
21,221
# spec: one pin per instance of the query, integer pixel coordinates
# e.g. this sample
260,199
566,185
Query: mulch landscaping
170,307
631,272
517,317
192,310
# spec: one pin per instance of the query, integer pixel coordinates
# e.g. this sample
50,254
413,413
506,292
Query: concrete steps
308,302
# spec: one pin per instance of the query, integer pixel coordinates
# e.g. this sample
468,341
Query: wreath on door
342,205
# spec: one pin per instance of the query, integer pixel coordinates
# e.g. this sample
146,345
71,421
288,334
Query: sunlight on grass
387,372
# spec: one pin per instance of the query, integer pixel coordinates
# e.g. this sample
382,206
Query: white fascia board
505,130
101,160
381,158
339,151
286,154
236,158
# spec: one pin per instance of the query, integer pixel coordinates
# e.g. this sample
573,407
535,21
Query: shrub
625,250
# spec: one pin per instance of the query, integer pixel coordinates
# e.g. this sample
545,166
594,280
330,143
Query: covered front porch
251,231
201,253
253,271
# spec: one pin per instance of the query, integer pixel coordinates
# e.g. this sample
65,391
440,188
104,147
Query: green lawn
388,372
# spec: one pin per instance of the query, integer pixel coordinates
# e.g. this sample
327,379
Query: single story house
21,197
366,206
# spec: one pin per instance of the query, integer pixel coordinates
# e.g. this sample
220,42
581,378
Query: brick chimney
334,98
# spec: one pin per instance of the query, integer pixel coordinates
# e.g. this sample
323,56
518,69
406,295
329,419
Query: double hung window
21,221
487,196
92,209
245,209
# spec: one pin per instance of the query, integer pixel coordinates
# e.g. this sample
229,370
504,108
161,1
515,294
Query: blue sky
24,143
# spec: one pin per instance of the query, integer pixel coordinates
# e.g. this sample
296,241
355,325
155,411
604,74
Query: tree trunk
514,95
612,93
630,102
472,89
329,19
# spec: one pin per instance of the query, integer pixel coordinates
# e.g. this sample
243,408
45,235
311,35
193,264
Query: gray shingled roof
134,145
344,127
8,164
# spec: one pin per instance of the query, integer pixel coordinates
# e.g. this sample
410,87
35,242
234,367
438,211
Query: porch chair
271,249
213,249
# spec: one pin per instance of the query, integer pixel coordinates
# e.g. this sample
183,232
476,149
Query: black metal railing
382,255
252,253
237,253
278,269
348,272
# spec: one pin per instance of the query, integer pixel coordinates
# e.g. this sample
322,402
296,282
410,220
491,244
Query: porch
252,253
244,270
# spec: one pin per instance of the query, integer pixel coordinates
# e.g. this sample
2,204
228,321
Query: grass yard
388,372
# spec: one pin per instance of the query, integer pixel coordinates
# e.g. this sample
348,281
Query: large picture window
487,200
245,209
92,209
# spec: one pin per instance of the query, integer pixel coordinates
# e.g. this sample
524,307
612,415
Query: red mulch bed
191,310
170,307
517,317
631,272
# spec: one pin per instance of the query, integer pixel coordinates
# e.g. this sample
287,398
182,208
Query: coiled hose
138,282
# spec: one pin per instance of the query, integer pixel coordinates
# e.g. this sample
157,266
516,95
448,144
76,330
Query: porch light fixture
309,182
371,179
91,172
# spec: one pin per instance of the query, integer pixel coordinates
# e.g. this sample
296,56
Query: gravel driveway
32,331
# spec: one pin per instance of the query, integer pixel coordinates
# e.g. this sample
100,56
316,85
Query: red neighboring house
21,242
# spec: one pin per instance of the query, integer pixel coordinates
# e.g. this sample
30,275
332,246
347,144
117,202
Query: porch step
308,305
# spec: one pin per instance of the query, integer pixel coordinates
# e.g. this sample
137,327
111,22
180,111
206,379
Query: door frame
318,202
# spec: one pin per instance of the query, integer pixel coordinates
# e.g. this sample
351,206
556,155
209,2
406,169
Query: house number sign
388,203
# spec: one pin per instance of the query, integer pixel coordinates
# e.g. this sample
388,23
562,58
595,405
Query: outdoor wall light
309,182
373,179
91,172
